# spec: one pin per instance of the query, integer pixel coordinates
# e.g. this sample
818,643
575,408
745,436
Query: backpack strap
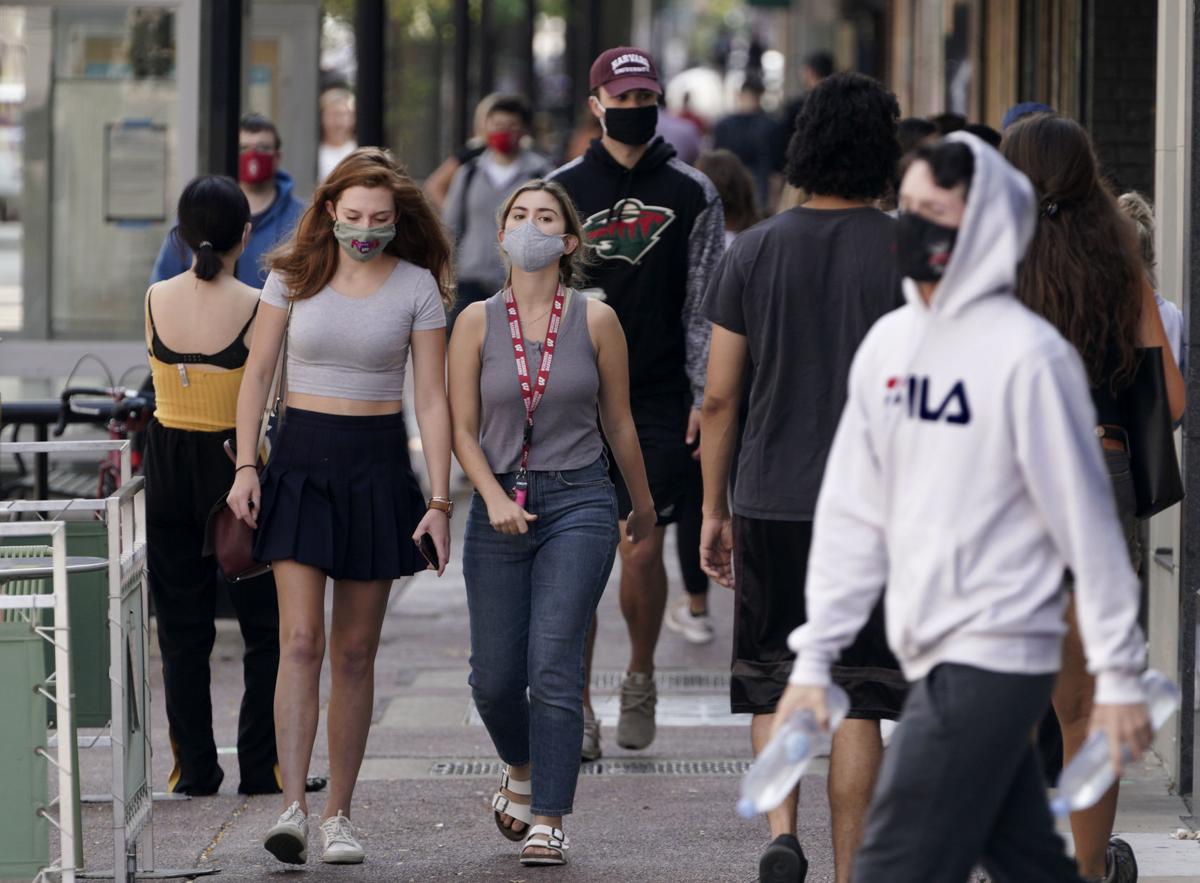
470,167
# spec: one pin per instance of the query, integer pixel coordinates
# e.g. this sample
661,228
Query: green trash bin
89,627
24,836
15,620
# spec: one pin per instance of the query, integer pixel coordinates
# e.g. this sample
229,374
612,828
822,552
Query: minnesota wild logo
629,234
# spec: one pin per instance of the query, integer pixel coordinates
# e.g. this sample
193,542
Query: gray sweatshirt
472,221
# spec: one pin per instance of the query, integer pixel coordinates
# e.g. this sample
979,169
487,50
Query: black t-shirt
803,287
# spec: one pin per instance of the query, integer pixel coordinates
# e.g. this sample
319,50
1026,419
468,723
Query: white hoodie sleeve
1053,424
847,564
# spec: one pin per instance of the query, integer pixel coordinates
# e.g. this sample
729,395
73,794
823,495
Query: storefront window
113,120
12,132
963,57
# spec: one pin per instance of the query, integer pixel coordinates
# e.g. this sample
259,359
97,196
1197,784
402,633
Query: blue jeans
531,598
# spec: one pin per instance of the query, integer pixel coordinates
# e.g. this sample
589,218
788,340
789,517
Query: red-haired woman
366,276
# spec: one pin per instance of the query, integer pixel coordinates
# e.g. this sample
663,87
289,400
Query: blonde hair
1139,210
572,268
336,94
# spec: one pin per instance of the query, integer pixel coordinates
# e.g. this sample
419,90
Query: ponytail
208,262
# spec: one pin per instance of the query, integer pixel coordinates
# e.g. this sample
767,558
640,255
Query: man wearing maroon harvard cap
656,228
622,69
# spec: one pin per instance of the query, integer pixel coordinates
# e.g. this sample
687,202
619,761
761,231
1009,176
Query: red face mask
503,142
255,166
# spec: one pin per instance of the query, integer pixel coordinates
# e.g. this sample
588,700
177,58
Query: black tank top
233,356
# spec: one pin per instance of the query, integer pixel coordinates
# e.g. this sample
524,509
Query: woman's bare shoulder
471,324
601,318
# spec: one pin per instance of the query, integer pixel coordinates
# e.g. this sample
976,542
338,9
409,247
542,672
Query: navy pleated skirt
339,494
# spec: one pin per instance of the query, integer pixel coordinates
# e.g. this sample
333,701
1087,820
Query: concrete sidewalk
666,814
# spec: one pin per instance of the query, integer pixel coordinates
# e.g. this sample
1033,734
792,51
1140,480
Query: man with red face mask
477,191
274,210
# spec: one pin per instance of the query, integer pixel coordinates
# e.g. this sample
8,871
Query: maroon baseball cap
624,68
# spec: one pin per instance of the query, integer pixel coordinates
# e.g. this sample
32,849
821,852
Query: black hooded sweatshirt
657,232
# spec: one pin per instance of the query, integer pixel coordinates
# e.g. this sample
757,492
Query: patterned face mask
363,243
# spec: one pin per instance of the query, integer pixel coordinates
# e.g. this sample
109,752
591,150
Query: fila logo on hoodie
914,391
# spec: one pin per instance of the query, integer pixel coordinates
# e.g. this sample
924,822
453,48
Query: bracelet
246,466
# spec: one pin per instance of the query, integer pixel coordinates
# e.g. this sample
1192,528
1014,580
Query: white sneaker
341,847
288,840
695,628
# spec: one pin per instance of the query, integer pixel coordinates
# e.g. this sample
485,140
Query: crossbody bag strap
469,168
278,385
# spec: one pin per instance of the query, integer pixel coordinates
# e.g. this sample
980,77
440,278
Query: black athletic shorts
770,563
662,429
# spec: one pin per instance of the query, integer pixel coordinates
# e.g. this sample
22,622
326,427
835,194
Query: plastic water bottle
1090,773
777,770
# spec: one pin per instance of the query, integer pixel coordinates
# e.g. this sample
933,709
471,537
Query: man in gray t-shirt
802,288
790,303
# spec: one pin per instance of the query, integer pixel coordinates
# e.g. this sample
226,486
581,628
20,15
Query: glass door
98,129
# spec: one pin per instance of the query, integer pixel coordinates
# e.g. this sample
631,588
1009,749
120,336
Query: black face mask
923,248
631,125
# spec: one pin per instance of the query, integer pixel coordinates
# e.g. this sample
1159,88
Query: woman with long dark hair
199,325
1083,273
365,278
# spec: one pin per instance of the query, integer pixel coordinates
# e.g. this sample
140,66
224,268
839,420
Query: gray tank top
566,432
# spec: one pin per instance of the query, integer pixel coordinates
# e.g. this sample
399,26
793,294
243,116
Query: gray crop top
566,432
357,347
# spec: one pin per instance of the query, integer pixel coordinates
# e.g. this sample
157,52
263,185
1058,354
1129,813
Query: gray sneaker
591,736
1122,866
639,696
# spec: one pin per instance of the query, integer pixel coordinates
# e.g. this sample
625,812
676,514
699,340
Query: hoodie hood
996,229
284,185
658,153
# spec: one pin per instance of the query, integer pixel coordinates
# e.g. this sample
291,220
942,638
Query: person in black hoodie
656,228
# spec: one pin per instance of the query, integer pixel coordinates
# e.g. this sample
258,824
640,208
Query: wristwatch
442,504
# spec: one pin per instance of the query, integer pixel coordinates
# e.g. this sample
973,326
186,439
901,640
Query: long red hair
307,261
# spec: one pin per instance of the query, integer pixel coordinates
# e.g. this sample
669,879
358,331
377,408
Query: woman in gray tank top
542,530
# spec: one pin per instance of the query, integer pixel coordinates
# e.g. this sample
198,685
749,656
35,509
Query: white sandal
521,812
545,837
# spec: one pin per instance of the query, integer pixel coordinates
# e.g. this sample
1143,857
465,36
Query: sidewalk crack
206,853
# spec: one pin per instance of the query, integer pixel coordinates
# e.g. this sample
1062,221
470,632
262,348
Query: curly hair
1082,271
845,139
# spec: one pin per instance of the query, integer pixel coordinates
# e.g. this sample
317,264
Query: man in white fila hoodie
965,476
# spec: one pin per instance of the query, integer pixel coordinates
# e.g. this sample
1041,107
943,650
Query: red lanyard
531,393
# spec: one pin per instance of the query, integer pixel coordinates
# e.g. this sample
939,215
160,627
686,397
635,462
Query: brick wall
1122,91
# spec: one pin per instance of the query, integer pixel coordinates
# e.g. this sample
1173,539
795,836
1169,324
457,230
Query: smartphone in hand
428,550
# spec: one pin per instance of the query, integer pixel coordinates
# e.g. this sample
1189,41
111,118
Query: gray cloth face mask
530,249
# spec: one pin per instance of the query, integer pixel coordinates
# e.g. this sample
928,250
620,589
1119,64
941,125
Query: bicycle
125,413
